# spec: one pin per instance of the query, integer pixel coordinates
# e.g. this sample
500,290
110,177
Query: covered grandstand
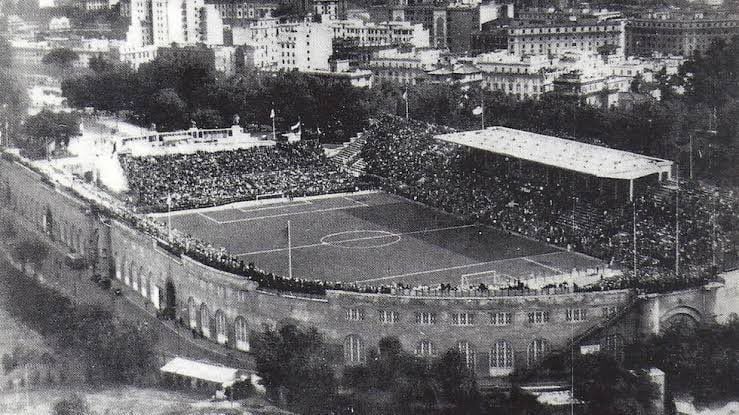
561,154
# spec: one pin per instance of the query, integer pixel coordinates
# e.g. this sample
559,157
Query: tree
623,393
62,57
703,362
208,118
46,128
74,405
296,367
167,110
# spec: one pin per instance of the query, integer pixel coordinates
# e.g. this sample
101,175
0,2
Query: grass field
373,239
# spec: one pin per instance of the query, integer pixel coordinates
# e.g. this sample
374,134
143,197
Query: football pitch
372,239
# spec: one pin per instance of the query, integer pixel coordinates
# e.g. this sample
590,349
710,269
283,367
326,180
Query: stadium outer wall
505,332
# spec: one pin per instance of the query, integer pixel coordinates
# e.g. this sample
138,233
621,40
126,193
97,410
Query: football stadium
508,246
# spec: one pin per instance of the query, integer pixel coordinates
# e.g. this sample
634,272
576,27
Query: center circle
361,239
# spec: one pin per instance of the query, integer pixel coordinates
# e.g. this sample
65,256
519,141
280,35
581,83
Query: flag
477,110
272,114
700,153
295,127
169,201
114,146
405,94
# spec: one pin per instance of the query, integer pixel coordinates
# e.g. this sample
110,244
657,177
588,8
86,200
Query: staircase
584,335
350,153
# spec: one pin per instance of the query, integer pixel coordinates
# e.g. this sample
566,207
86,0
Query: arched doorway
170,300
204,320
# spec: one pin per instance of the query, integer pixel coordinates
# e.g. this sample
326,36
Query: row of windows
500,318
500,355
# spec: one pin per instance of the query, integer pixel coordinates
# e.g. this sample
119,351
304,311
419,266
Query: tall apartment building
679,33
380,34
139,14
304,47
176,21
270,45
258,43
330,9
163,22
554,37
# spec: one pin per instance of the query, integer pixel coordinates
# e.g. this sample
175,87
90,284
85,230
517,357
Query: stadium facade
496,334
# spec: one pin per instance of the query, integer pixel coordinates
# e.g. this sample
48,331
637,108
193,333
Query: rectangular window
500,318
538,317
609,311
426,318
463,319
389,317
576,314
354,314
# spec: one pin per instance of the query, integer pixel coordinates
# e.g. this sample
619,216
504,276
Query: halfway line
365,238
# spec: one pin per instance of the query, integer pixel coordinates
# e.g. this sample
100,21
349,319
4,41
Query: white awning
203,371
560,153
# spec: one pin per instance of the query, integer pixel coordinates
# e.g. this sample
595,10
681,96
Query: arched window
467,351
425,348
205,320
221,334
145,285
353,349
192,310
242,334
501,356
136,279
121,269
537,349
129,275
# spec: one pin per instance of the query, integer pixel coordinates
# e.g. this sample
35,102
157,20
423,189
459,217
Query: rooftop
198,370
560,153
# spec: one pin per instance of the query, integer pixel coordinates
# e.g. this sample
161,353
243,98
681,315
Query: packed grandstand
404,158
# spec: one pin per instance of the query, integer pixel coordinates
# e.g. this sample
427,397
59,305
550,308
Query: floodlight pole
289,251
677,223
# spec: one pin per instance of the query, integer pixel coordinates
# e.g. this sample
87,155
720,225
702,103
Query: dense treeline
111,350
300,370
702,362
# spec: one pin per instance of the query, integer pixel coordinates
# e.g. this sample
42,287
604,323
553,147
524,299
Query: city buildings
520,76
588,34
380,34
409,67
679,32
238,12
303,46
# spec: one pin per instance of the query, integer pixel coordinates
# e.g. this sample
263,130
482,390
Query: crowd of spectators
412,163
204,179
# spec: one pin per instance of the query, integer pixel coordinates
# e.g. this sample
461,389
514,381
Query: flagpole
289,251
274,132
482,106
407,117
169,217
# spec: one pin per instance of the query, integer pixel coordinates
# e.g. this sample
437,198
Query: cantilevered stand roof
560,153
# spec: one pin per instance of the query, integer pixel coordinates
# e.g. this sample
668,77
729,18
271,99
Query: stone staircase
349,156
584,335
